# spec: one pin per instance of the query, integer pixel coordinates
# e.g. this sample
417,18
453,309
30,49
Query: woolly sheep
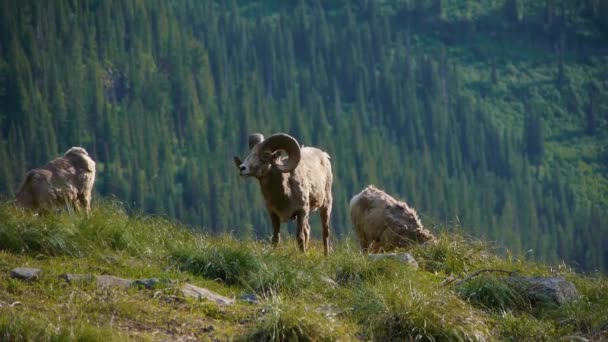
64,182
292,187
382,223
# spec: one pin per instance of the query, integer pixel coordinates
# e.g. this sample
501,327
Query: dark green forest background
489,115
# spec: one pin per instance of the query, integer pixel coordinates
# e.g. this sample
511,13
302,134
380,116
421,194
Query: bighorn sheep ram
292,187
64,181
382,223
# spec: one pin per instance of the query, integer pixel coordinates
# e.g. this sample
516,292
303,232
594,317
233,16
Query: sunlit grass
303,296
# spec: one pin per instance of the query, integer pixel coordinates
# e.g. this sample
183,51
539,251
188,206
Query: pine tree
591,119
533,139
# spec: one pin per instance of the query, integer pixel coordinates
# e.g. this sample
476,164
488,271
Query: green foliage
17,326
279,321
414,308
524,327
227,260
494,293
227,263
454,254
426,99
107,228
303,296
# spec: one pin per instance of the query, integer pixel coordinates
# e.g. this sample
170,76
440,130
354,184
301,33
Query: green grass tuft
108,227
416,308
453,254
230,264
250,266
494,293
299,322
513,327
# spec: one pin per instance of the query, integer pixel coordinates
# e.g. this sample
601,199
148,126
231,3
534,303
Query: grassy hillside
491,114
303,297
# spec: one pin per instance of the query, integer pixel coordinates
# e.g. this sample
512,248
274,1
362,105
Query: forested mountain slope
492,115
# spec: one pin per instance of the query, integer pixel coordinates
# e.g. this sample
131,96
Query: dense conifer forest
491,116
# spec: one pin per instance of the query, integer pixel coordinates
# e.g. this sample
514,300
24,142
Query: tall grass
416,309
278,321
494,293
371,300
251,266
108,227
454,254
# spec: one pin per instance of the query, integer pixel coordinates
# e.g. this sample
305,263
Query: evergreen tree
533,139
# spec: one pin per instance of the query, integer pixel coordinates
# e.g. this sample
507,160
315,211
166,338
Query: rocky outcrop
549,290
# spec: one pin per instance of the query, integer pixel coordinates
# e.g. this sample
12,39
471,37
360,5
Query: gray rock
26,273
550,290
77,278
189,290
249,298
404,257
111,281
147,283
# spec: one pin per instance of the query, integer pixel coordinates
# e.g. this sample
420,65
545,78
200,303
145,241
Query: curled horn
281,141
254,139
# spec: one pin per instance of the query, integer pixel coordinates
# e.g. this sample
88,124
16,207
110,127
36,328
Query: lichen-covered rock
556,290
26,273
189,290
111,281
403,257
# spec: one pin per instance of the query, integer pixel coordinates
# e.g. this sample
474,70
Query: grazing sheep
64,182
382,223
292,187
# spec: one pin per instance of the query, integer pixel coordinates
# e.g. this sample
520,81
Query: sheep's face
279,151
80,159
258,163
76,151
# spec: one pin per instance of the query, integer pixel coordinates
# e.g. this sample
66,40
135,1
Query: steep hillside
304,297
488,115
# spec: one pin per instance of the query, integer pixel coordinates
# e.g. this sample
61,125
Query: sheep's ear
277,154
237,161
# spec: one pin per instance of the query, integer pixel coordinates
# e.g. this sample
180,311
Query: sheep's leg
303,230
85,202
307,235
276,229
325,215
